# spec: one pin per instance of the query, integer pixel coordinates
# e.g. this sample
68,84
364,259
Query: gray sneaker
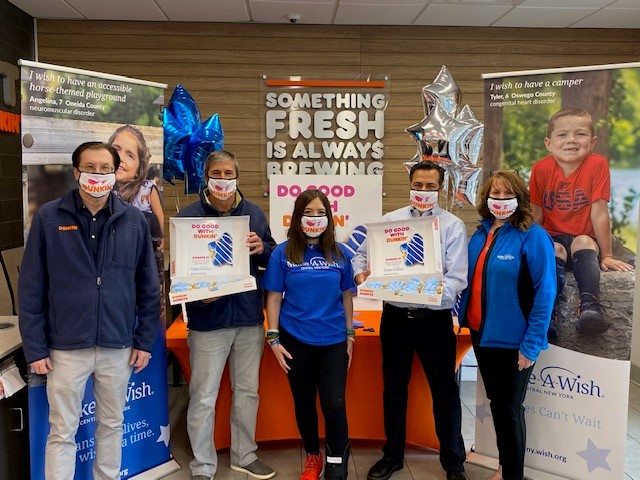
256,469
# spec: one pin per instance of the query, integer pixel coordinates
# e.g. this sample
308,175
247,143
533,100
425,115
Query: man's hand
254,242
610,263
139,359
361,277
42,367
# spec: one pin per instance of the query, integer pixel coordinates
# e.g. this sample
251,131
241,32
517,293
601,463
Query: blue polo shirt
312,308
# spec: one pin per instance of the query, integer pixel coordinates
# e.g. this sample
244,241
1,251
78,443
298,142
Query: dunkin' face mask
314,226
222,188
97,184
502,208
423,200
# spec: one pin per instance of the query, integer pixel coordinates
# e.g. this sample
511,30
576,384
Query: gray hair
219,155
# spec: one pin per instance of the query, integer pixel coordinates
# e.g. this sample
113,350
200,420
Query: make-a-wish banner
577,400
576,415
62,108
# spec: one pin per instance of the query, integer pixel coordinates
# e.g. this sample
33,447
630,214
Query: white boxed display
405,261
209,258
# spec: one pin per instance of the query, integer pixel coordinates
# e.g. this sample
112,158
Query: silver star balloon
433,134
409,165
443,90
465,185
467,145
466,115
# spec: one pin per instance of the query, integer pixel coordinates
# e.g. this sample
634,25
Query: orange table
276,420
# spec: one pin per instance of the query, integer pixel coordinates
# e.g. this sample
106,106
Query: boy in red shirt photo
570,191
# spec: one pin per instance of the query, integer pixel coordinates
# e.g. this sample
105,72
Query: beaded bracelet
351,334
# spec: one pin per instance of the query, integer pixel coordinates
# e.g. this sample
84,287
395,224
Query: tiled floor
420,464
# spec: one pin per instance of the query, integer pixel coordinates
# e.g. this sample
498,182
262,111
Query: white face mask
502,208
97,184
314,226
222,188
423,200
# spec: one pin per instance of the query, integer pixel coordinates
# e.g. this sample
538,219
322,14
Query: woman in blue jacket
507,306
311,330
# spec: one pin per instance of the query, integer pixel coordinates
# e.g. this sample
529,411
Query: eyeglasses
504,170
104,169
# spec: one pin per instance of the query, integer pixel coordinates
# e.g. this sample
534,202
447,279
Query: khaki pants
65,390
208,355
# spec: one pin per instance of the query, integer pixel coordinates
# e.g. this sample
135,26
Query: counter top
10,339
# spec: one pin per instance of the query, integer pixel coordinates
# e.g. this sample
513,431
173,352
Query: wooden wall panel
16,42
221,64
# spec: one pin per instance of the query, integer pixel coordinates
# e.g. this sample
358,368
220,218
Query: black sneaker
591,316
384,468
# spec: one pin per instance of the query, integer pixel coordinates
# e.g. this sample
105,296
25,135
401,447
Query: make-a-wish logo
88,413
314,262
138,392
556,381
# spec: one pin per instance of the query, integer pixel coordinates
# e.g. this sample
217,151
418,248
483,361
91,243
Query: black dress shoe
384,468
457,476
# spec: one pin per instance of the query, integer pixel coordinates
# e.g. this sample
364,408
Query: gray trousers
65,389
208,355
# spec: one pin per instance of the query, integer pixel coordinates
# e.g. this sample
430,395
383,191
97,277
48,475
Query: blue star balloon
207,138
187,142
184,109
176,147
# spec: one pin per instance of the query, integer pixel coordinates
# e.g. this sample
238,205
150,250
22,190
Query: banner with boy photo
577,399
62,108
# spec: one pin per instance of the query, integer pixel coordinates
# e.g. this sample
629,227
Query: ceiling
494,13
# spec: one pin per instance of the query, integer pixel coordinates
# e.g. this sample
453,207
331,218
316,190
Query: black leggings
506,388
320,370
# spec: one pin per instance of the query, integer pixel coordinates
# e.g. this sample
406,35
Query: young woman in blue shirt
309,312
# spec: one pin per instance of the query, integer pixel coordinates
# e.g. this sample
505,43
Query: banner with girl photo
62,108
584,159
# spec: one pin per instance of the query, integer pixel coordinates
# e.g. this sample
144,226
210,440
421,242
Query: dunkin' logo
224,192
66,228
310,227
97,186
